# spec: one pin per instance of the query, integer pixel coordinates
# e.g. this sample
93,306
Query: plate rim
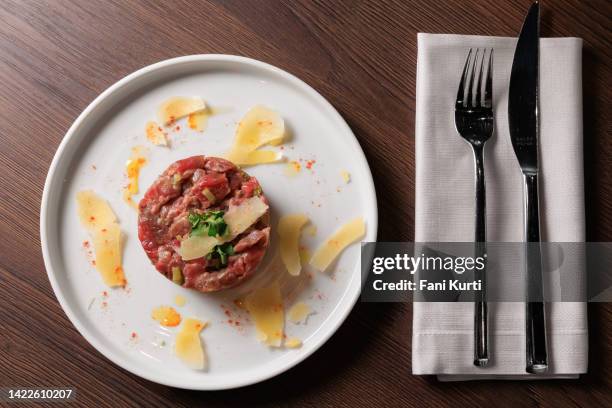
45,223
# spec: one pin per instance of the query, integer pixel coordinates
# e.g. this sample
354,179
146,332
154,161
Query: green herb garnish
210,223
221,252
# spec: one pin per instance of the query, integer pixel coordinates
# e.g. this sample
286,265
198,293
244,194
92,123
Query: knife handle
536,348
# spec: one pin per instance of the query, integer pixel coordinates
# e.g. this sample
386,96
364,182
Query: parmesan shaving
289,228
238,218
259,127
178,107
331,248
94,212
156,134
265,305
197,120
261,157
299,313
107,247
188,345
197,246
98,218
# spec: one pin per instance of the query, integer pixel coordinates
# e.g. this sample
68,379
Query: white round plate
92,155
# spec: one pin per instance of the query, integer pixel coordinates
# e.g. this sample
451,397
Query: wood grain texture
56,56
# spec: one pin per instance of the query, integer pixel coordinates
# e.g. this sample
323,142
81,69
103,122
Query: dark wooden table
56,56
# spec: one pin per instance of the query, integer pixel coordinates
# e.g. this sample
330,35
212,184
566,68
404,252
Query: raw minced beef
195,185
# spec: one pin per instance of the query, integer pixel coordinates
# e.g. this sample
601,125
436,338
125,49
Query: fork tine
488,96
478,102
471,82
461,90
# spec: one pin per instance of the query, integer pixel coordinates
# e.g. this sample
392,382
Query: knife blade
523,94
524,132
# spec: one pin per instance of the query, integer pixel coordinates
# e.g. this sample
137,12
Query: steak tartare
199,200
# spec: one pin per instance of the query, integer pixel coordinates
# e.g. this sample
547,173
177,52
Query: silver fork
474,122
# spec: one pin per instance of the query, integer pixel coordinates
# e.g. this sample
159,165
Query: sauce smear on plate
166,316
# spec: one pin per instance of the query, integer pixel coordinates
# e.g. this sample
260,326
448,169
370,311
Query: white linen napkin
442,339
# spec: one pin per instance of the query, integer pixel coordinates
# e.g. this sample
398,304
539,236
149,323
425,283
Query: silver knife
524,130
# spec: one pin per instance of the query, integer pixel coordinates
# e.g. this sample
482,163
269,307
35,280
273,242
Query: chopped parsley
221,252
210,223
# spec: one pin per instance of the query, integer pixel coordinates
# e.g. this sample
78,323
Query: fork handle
481,315
535,322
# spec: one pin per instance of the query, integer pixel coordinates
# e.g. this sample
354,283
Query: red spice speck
93,262
230,321
282,147
227,312
105,293
177,128
104,304
93,166
237,323
85,244
134,335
